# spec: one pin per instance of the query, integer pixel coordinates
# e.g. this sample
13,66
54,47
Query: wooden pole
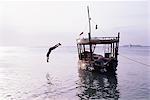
89,34
78,50
113,49
84,52
117,46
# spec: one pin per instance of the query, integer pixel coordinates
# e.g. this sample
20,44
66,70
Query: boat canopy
98,40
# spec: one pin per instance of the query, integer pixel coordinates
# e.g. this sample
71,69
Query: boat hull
100,65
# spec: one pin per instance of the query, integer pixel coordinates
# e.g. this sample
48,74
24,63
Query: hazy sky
44,23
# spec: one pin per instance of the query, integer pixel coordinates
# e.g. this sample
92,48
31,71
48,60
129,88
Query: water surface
25,75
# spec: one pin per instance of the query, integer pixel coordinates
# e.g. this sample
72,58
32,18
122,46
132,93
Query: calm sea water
25,75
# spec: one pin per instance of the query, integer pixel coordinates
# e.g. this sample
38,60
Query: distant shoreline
134,46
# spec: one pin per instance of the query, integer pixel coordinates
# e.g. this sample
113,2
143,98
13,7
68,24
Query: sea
26,75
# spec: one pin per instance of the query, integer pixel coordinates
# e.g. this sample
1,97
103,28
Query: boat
89,60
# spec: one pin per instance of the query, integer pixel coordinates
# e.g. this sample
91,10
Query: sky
44,23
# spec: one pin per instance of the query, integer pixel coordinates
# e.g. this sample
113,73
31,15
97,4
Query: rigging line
98,28
135,61
103,31
85,27
93,21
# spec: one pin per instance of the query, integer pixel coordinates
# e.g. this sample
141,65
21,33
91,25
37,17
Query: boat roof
97,40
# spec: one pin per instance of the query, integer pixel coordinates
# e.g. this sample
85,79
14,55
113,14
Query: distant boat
131,45
88,60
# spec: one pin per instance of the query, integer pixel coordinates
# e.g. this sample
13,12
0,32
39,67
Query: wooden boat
89,60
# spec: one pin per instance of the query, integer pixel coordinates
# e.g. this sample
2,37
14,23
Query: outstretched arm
57,45
54,47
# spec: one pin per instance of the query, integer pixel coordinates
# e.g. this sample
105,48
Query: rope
94,22
98,28
85,27
135,61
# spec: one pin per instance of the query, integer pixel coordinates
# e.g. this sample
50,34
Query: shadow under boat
96,86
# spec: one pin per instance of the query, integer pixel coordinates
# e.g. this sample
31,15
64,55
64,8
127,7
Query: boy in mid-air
50,49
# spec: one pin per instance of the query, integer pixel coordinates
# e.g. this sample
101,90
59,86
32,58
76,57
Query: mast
89,34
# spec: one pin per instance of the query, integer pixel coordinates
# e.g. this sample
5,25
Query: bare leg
47,59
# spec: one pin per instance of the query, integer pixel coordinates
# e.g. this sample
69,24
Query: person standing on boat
50,49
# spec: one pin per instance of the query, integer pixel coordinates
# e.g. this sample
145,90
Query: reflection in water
94,85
